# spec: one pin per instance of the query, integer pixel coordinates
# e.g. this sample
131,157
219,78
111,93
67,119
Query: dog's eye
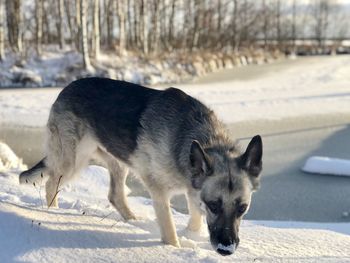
214,206
242,209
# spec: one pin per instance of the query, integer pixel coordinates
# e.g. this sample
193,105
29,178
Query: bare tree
2,31
278,21
294,26
235,31
39,25
155,43
122,22
109,15
84,37
14,23
144,26
187,26
320,13
131,34
70,19
96,36
78,32
136,25
265,22
198,13
60,24
171,22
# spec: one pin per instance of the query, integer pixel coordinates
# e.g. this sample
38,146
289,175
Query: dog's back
119,115
111,108
173,120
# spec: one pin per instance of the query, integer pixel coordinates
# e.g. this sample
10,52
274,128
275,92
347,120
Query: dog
173,142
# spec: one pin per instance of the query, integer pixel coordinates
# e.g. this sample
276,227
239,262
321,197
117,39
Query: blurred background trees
158,26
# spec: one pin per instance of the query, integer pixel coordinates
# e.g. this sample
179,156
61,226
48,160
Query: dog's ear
200,165
251,160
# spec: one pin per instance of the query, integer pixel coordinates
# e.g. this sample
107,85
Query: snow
8,159
306,89
327,165
86,228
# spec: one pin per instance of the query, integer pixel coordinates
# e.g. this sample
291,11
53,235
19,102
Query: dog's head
226,181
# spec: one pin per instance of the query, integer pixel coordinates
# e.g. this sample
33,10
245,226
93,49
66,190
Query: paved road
286,193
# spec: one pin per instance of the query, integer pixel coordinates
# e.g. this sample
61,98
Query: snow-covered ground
87,229
313,87
56,67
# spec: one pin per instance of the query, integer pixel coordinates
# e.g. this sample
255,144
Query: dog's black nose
223,252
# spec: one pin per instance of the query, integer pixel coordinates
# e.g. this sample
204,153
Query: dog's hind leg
52,189
68,151
117,195
118,174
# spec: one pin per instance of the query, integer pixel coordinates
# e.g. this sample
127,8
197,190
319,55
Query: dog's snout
226,250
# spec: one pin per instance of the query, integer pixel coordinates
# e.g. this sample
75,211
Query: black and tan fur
173,142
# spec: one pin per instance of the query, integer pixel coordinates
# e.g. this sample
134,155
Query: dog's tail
33,174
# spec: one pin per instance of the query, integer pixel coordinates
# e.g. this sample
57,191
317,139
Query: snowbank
9,160
87,229
59,67
317,87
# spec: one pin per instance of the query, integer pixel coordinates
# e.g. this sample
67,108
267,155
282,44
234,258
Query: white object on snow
327,165
8,159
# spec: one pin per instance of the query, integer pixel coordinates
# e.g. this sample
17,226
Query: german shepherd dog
172,141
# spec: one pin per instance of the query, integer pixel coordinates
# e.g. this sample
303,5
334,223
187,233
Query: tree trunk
144,27
84,37
2,31
96,37
171,23
121,16
14,21
235,28
265,25
155,27
131,35
136,23
278,22
186,23
39,25
60,24
294,34
69,20
78,33
109,22
196,28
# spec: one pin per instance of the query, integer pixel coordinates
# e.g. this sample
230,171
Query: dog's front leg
161,204
196,220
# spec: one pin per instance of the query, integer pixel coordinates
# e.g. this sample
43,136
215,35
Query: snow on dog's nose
225,250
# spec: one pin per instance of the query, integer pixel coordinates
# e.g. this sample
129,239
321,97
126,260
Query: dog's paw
199,235
187,243
130,217
136,218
